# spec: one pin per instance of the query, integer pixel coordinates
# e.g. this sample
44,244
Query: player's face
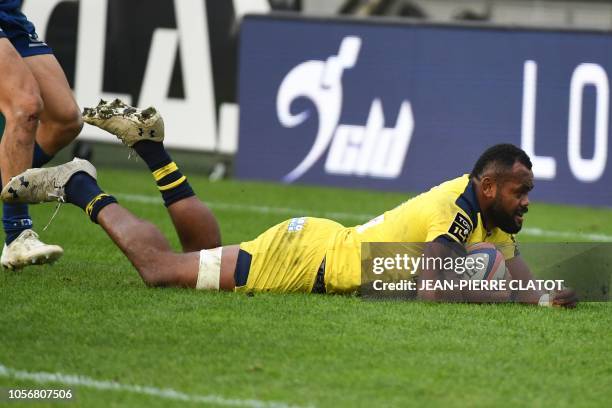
511,199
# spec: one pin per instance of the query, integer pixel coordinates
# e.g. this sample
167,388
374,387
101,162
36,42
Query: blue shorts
14,26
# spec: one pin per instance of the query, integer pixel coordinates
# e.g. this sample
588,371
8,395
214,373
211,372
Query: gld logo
371,150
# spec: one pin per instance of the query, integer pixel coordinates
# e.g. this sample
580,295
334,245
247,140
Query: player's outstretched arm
519,270
440,249
432,251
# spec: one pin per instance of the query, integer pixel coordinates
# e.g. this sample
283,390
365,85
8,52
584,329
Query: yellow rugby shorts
286,257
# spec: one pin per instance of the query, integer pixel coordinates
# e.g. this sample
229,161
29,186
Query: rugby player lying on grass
299,255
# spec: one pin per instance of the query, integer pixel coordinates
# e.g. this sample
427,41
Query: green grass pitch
90,315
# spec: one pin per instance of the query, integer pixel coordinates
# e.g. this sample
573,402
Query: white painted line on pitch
539,232
260,209
167,393
297,212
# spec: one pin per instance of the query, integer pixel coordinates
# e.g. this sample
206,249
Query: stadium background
445,76
215,69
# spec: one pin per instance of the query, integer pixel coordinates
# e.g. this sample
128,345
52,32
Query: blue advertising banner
403,107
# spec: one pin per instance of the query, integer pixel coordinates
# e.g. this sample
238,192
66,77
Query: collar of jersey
468,202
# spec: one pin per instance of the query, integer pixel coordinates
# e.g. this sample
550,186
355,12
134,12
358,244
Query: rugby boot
44,184
27,249
129,124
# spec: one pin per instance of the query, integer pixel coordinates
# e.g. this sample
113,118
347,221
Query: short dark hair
503,156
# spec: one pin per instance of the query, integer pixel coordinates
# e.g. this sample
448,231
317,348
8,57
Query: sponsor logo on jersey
296,224
460,228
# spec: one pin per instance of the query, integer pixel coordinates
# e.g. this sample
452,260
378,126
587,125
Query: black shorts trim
243,267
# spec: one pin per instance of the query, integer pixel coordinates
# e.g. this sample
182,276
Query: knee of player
153,275
25,109
216,241
70,123
150,277
215,237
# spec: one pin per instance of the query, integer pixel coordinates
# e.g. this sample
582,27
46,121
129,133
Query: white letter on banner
191,122
91,45
191,36
588,170
390,153
374,124
343,153
91,42
89,67
543,167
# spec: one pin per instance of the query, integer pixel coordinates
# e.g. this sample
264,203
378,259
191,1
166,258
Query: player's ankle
96,205
15,228
81,188
15,219
154,154
172,184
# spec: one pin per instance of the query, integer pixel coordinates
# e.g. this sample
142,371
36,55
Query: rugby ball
488,262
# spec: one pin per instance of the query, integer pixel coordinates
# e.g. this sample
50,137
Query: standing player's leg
143,131
142,243
22,105
57,122
60,120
